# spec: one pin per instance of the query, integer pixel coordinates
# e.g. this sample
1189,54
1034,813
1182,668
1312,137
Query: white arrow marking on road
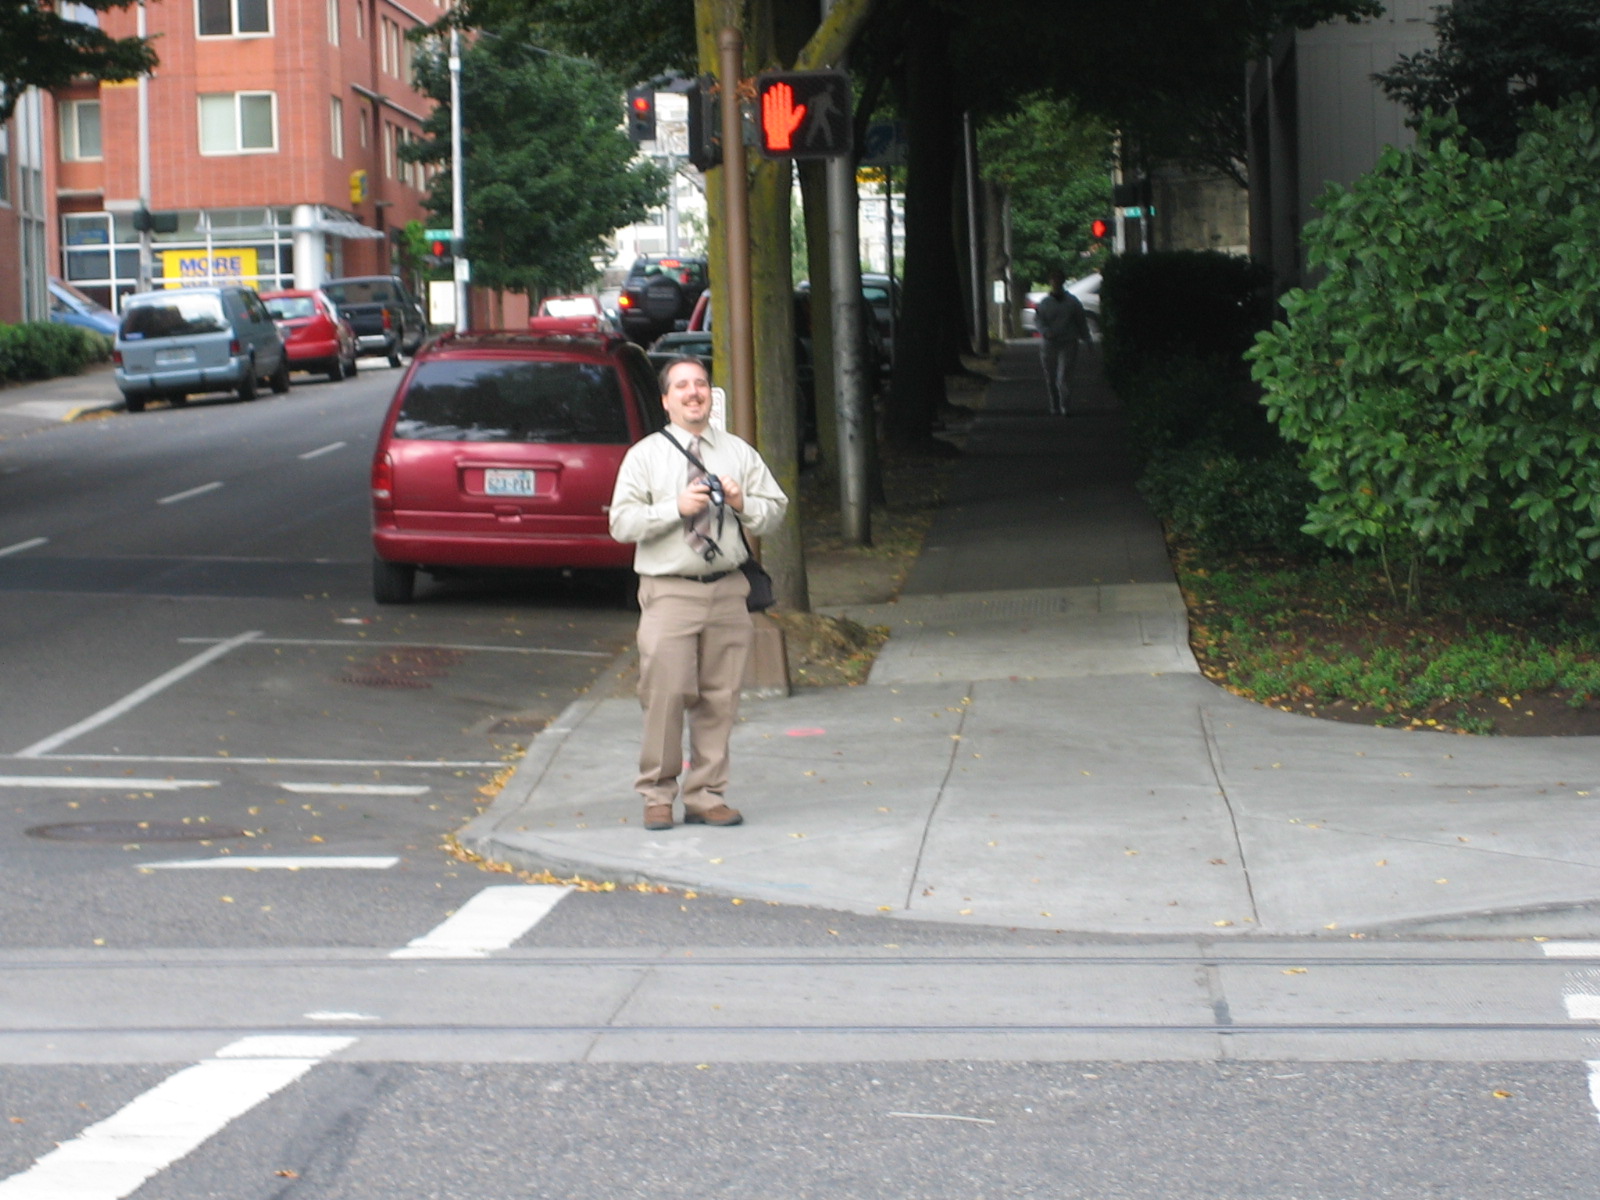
137,697
1572,949
122,784
244,862
355,789
112,1158
491,920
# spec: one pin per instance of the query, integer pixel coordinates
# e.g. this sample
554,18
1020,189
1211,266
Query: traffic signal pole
458,190
736,224
850,357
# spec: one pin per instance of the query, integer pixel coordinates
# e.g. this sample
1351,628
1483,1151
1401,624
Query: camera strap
714,550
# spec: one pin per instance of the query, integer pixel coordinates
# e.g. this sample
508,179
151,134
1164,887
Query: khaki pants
694,639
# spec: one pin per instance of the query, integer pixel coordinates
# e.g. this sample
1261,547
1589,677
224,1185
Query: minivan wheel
280,377
393,583
134,403
247,385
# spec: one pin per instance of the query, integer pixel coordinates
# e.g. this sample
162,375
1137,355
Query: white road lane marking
492,920
124,783
1571,949
1594,1086
1583,1007
19,547
137,697
342,1016
112,1158
246,862
356,789
191,493
321,450
371,645
423,764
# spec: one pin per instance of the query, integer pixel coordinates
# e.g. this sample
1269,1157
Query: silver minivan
201,339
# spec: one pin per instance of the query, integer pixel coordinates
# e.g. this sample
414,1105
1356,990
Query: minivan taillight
388,320
234,348
383,482
116,357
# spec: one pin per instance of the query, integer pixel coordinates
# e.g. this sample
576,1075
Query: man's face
688,397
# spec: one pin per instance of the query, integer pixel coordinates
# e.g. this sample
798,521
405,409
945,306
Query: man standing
1063,326
694,629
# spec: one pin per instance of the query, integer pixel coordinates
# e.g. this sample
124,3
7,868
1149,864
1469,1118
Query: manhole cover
134,831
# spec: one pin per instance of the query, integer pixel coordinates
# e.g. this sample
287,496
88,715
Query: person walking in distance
681,496
1063,327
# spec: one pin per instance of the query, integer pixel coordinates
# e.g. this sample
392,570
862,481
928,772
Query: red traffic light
1100,227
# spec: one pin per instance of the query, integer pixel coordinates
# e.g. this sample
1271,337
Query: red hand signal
780,117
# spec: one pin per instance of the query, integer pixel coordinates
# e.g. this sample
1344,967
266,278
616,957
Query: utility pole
146,253
458,189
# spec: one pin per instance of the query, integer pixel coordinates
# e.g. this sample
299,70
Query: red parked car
317,337
501,449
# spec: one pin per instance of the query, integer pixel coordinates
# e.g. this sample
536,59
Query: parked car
571,314
501,450
174,343
1087,290
387,318
659,294
317,337
674,345
69,306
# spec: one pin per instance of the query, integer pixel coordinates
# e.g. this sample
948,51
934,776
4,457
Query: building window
388,46
238,123
336,117
80,130
5,165
233,18
333,22
361,19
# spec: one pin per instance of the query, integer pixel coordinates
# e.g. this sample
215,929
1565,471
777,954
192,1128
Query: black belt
706,578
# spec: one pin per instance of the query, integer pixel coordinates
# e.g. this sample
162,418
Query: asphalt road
234,961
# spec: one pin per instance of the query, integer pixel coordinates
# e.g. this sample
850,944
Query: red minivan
501,449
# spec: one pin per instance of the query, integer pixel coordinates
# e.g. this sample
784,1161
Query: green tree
549,173
40,47
1497,59
1055,164
1444,376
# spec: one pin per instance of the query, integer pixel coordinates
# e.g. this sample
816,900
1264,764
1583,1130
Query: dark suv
659,294
502,450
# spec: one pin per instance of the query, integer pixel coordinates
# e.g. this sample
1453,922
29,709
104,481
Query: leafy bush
38,350
1219,502
1444,377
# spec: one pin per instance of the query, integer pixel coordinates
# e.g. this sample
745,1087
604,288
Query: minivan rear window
500,400
374,291
175,317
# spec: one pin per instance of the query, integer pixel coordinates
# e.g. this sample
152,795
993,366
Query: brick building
274,130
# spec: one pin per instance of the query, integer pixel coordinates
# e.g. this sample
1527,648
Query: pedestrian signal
1100,228
805,114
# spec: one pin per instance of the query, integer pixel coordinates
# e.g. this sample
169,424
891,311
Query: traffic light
705,123
442,248
642,114
805,114
1100,228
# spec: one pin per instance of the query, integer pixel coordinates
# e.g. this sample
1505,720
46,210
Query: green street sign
438,235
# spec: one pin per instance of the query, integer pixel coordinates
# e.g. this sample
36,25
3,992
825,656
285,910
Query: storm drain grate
134,831
402,667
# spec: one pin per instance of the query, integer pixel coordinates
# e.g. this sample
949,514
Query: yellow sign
358,186
185,268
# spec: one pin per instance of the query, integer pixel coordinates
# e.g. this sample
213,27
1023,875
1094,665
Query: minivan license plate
174,358
499,482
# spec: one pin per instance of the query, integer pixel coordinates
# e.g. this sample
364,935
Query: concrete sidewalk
1036,748
31,407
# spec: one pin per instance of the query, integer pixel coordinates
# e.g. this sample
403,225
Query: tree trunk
931,330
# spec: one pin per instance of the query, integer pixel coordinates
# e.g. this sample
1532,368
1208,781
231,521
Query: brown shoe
658,816
720,815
